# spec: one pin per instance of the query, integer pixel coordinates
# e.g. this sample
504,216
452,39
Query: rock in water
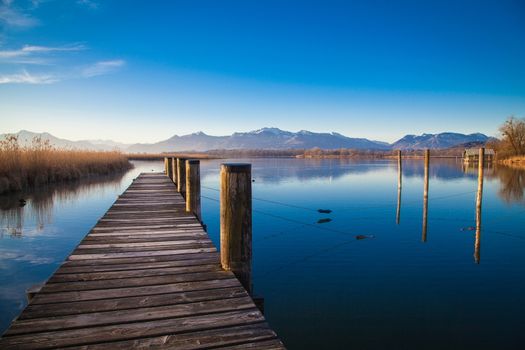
363,236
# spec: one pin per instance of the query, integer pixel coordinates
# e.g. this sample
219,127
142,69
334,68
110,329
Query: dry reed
40,164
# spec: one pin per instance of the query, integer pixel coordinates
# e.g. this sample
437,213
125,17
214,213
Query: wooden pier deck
146,276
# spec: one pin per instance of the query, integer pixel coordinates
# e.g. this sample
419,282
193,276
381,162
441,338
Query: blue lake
323,287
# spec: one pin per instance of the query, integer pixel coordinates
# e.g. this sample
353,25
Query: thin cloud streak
88,3
102,68
28,50
27,78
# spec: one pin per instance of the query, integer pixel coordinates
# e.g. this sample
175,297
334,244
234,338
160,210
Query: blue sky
142,71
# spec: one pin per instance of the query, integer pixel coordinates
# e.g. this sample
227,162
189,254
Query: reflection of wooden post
170,168
166,165
181,176
399,185
425,196
236,221
479,198
174,169
193,188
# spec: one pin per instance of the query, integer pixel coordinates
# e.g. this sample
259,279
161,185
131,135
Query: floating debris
324,211
364,236
22,202
253,180
468,228
324,221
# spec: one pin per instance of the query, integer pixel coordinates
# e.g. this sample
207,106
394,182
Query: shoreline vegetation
39,164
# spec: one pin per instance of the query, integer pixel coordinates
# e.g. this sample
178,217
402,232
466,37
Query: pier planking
147,275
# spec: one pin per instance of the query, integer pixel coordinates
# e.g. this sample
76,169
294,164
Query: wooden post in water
170,168
399,185
425,195
479,199
236,221
174,169
193,188
181,176
166,165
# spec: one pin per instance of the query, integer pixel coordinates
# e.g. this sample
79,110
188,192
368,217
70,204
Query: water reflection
479,200
399,185
512,184
37,206
426,164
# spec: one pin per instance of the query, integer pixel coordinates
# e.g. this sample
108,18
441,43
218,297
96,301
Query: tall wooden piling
479,199
170,168
181,176
236,221
399,185
166,165
193,188
174,169
425,195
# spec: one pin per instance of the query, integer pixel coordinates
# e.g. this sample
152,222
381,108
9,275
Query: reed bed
41,164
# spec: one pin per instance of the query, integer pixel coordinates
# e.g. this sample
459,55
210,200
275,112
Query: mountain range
265,138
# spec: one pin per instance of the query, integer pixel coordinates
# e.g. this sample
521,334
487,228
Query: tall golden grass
40,164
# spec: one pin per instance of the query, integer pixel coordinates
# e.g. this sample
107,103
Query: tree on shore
512,137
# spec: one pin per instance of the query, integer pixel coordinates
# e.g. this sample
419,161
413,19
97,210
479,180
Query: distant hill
438,141
265,138
25,138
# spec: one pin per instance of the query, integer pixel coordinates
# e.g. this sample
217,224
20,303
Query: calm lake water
324,288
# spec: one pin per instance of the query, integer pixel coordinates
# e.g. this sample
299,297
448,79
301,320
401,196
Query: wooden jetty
146,276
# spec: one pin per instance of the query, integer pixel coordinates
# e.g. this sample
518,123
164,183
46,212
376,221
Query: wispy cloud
31,50
88,3
102,67
13,17
26,78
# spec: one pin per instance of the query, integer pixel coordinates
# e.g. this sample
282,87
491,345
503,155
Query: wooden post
181,176
479,199
174,169
236,221
170,168
399,185
166,165
193,188
425,196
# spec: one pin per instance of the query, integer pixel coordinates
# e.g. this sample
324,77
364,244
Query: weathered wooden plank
66,297
196,340
134,282
91,245
139,254
130,315
146,238
106,336
146,259
95,276
193,245
134,266
274,344
80,307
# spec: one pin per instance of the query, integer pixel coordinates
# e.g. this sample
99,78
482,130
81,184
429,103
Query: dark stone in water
364,236
323,221
324,211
